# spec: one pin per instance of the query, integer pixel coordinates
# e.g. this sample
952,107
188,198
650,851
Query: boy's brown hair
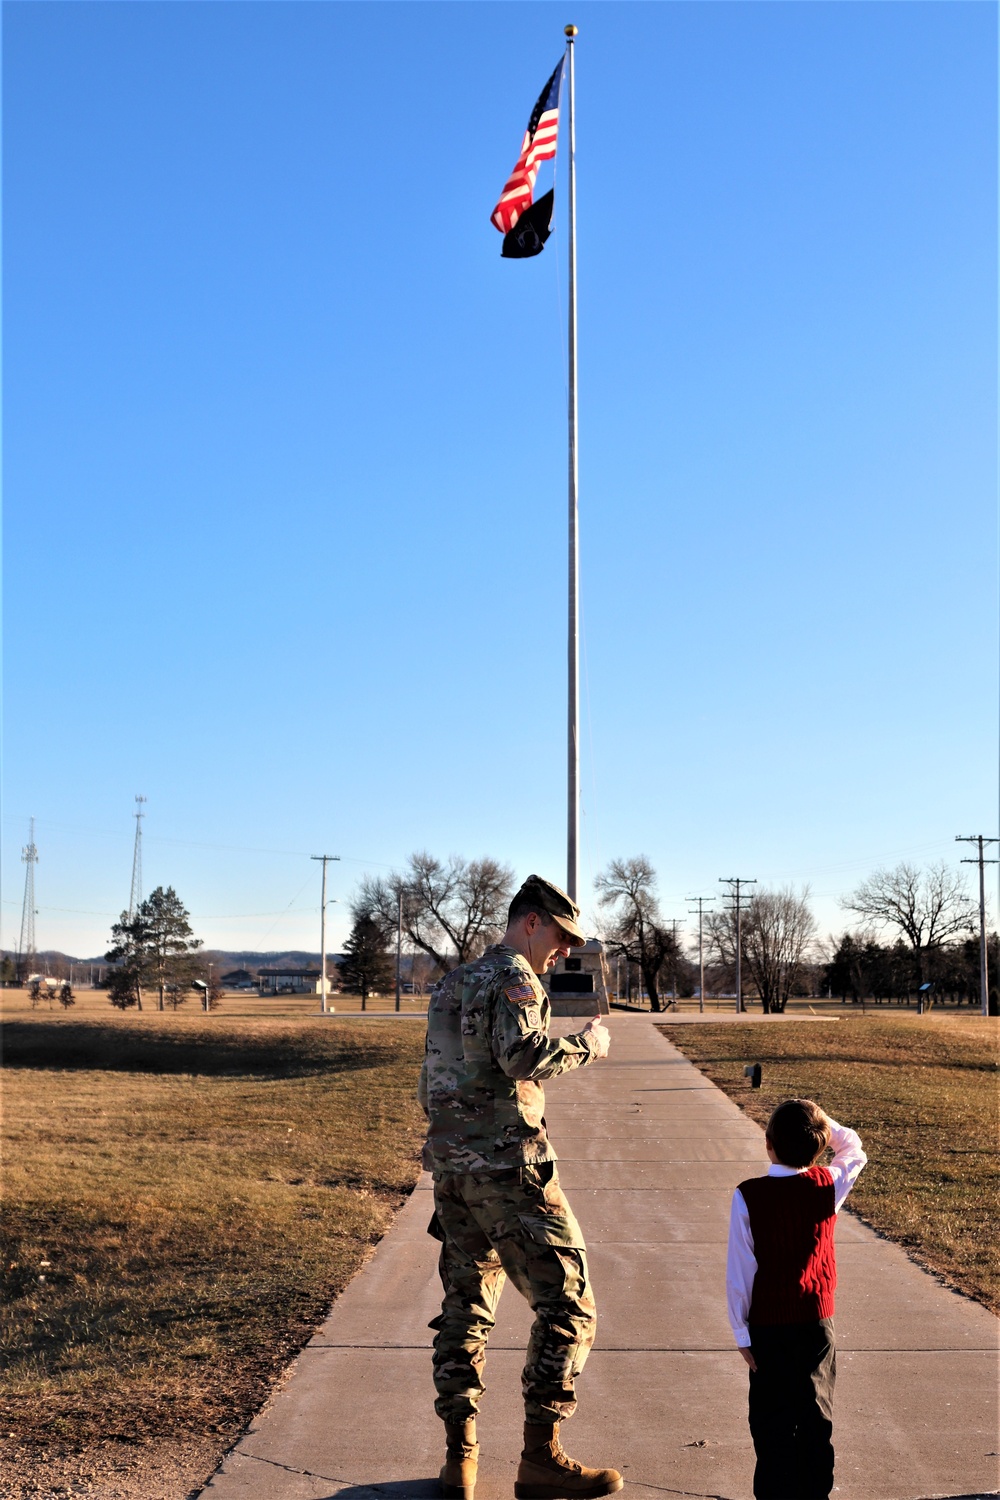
799,1132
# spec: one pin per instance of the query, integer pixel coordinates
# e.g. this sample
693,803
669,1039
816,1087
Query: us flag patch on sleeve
519,993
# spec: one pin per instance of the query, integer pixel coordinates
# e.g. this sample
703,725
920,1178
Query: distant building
288,981
238,979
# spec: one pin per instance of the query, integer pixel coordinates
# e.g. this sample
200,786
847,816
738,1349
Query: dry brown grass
234,1004
922,1092
184,1197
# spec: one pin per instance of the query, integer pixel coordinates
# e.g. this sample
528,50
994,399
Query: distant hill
50,959
288,958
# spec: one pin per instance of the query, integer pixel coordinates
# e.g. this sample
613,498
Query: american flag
539,145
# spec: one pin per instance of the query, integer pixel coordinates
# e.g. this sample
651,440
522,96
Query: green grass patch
183,1199
922,1093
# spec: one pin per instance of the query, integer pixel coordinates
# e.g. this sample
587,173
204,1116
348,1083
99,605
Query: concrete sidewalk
649,1153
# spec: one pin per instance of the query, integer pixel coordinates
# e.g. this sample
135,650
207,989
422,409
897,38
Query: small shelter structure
238,979
288,981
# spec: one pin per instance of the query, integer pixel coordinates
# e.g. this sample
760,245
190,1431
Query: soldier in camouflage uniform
499,1211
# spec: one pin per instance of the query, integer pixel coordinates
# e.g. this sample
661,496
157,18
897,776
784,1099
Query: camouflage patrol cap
554,901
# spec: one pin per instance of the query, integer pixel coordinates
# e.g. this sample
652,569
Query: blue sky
285,448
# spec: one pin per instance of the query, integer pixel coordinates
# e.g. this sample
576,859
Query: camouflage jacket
487,1051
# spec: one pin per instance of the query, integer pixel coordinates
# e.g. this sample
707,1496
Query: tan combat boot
461,1460
546,1473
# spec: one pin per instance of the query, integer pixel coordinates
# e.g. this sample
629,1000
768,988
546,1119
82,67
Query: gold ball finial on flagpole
570,31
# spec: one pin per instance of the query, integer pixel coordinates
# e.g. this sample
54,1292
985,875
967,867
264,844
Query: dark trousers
791,1410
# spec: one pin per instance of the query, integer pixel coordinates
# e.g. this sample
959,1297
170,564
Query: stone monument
578,985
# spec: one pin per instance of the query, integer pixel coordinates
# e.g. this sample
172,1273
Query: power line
212,916
159,838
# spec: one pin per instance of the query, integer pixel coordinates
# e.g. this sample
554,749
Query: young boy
780,1278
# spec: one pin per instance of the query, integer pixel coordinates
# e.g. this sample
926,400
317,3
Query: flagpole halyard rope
573,632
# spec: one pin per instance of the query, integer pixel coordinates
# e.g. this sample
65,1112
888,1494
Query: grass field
185,1194
922,1092
184,1197
244,1005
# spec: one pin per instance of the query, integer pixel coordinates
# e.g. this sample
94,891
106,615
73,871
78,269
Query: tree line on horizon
915,927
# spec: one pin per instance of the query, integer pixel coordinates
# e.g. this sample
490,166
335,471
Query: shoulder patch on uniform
519,994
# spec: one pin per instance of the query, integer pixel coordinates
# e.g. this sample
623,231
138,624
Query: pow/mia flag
515,210
531,230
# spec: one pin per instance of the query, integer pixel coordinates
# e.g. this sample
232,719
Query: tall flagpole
573,693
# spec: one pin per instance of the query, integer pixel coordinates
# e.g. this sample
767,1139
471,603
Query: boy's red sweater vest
792,1220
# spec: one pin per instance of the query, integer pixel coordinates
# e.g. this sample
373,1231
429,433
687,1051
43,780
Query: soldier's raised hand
602,1036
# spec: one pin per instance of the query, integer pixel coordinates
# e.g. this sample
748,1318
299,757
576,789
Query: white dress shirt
741,1263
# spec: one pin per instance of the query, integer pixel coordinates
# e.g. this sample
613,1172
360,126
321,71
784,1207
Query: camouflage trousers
514,1223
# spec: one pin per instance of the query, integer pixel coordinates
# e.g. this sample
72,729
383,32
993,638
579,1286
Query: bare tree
777,937
925,907
720,945
778,934
450,911
423,972
627,889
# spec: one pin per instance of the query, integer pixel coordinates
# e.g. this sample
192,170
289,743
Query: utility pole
977,838
736,883
674,1001
399,945
26,945
325,858
701,948
135,895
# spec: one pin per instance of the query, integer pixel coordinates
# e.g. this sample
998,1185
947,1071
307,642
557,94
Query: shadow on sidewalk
393,1489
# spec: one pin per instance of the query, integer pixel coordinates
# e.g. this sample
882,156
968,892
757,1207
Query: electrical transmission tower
26,946
135,896
735,892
